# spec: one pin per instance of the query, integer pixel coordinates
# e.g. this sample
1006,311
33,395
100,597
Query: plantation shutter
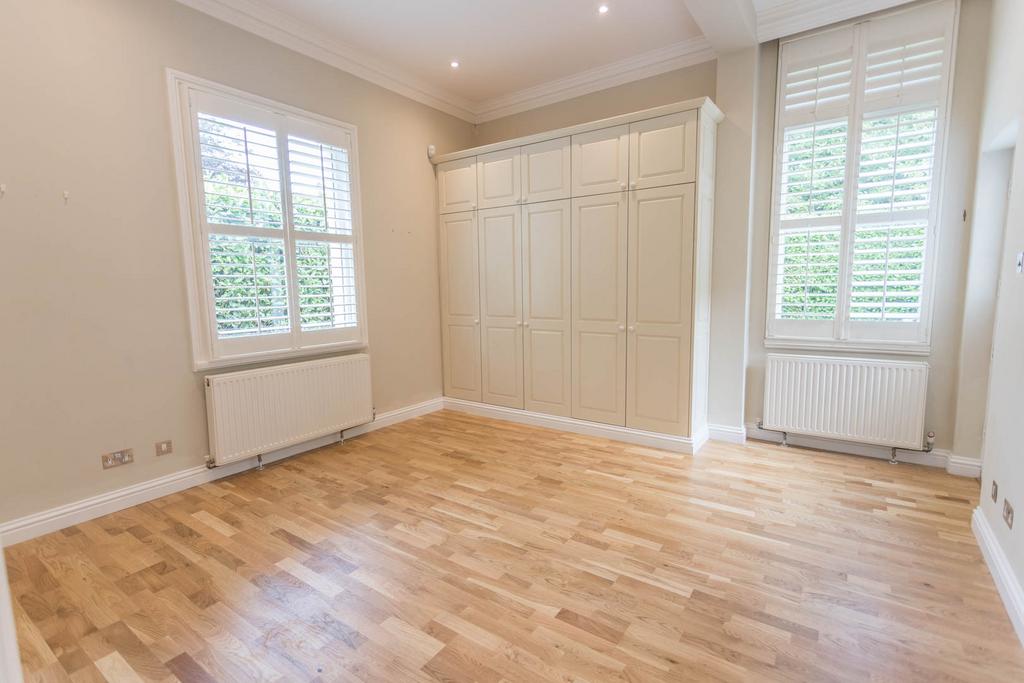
279,242
905,65
816,91
320,187
860,121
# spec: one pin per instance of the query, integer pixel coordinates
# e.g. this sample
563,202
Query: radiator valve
929,442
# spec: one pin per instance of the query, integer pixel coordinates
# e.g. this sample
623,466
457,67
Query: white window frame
779,334
208,351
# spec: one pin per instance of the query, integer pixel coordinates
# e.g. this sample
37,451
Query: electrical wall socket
117,458
164,447
1008,513
995,491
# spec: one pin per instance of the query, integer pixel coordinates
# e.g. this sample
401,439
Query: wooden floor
456,548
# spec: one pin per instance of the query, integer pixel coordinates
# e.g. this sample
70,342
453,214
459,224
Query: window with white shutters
275,232
859,135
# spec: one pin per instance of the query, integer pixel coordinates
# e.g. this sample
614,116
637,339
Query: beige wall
953,247
737,90
1004,109
96,353
682,84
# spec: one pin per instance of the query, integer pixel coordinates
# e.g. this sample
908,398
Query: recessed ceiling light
603,9
455,64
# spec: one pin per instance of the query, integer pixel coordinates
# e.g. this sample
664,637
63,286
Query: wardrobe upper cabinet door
663,151
600,161
547,170
456,185
498,181
460,305
660,307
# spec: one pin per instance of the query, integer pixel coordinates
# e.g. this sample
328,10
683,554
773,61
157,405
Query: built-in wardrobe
575,274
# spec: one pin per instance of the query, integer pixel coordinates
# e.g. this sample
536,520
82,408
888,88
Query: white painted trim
395,416
661,60
796,16
848,346
959,465
308,40
727,433
668,442
1006,581
963,466
281,28
54,519
10,661
704,104
207,351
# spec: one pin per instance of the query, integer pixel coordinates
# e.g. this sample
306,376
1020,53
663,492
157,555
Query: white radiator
852,399
257,411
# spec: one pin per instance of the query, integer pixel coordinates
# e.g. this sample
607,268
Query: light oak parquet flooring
457,548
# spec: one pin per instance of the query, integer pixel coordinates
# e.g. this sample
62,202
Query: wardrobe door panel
599,308
547,322
600,161
501,296
456,186
663,151
460,305
498,181
660,308
547,170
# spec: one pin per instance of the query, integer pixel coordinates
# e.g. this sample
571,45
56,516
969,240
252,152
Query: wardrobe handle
476,322
526,324
632,328
622,186
633,184
622,328
519,323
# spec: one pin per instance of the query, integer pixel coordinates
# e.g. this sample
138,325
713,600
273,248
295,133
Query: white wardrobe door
460,305
663,151
599,308
456,185
498,178
660,309
600,161
501,298
547,171
547,324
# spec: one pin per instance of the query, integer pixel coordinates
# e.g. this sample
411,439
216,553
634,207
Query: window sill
891,348
270,356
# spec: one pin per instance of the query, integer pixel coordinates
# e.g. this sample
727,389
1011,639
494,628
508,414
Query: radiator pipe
929,443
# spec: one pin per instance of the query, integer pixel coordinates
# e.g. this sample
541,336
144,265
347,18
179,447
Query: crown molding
645,65
796,16
306,39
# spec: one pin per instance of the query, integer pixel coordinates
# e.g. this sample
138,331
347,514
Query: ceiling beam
727,24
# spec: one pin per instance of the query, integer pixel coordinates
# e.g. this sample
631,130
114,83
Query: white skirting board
668,442
959,465
727,433
10,662
31,526
1006,581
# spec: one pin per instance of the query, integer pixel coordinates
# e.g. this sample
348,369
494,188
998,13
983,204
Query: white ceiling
502,45
514,54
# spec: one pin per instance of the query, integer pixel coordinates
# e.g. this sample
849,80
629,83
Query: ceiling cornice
306,39
645,65
796,16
